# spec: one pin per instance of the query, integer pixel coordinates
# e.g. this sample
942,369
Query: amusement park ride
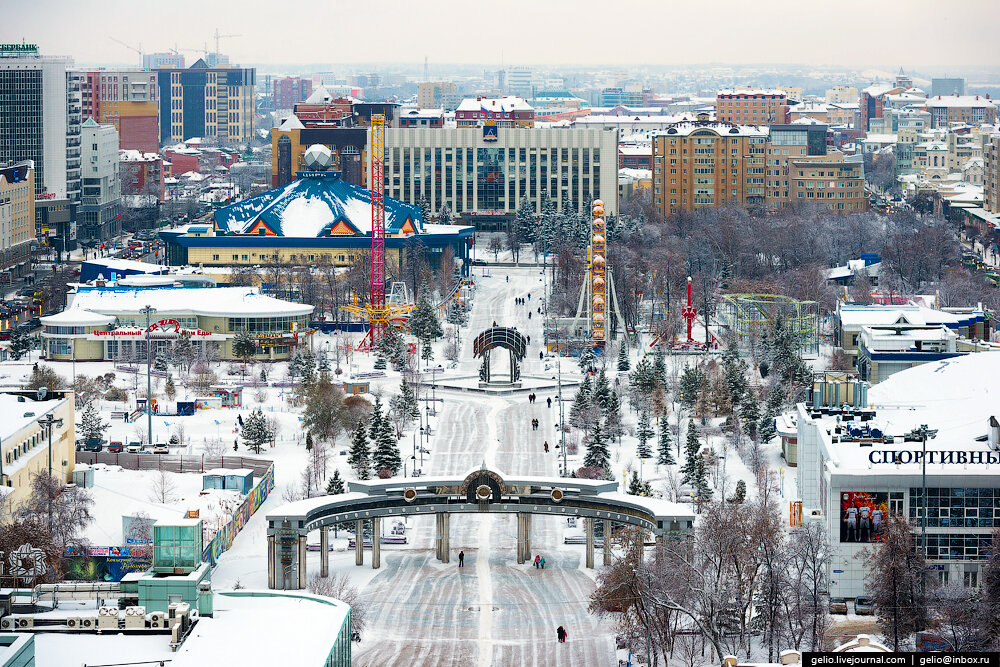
690,314
598,289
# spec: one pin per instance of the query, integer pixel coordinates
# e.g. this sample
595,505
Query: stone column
527,537
376,543
590,542
445,537
301,574
607,543
359,542
437,536
520,539
272,558
324,551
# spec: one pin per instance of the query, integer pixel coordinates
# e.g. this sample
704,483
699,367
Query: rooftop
14,412
206,301
960,101
723,129
494,105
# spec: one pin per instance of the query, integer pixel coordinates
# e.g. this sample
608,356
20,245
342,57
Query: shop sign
957,457
22,48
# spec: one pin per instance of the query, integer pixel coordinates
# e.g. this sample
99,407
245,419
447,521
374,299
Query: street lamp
562,427
48,421
924,433
421,446
148,312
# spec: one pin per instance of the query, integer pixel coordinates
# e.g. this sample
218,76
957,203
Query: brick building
751,107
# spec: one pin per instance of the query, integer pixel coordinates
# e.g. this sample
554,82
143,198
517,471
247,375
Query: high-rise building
947,86
129,99
435,95
40,115
204,101
289,91
991,173
518,82
751,107
162,60
100,212
786,143
17,219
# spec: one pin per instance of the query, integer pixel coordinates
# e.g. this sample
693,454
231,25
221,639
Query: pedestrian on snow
461,559
543,562
546,445
529,340
239,418
529,296
529,315
507,278
539,310
549,401
561,634
538,559
540,355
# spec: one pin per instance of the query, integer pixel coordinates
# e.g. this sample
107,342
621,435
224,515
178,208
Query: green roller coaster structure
751,315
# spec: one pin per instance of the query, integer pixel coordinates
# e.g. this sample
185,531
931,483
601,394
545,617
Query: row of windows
955,546
22,448
266,324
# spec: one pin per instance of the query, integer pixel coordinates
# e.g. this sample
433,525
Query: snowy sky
854,33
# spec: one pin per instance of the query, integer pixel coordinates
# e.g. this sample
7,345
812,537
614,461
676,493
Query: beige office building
24,443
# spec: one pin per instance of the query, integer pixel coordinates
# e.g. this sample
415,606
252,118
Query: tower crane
218,37
130,47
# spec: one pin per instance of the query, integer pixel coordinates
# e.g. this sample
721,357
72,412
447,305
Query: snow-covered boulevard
492,611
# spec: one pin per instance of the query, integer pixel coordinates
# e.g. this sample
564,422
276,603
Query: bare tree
66,511
162,487
339,587
895,579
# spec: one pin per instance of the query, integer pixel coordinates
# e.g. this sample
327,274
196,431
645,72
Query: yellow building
830,180
17,218
752,107
707,163
431,95
203,101
24,443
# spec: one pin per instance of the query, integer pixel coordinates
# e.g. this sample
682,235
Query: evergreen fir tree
91,425
598,455
691,381
613,417
169,388
263,375
359,456
659,365
772,408
444,215
602,392
427,352
750,415
324,363
664,448
255,431
308,368
587,360
644,432
336,484
425,210
581,404
702,489
244,346
309,442
386,454
623,361
740,494
20,344
692,448
635,487
375,421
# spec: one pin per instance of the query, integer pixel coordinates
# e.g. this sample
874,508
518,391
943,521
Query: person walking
543,562
546,446
461,559
537,560
541,355
561,634
549,401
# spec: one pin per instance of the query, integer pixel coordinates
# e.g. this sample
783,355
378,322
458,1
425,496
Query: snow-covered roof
292,615
749,92
635,149
421,113
504,104
129,155
319,95
311,206
721,128
205,301
116,264
959,101
627,174
74,317
855,316
14,418
878,89
291,123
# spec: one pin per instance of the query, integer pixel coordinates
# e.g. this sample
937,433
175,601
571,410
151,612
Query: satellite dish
41,393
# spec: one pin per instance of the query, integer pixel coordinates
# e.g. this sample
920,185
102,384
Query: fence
224,538
175,462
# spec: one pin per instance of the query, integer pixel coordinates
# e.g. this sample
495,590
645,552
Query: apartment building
129,99
24,442
288,91
100,212
752,107
966,109
437,95
708,163
991,174
501,112
833,181
17,219
204,101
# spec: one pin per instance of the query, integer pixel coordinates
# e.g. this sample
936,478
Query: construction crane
378,314
218,37
129,46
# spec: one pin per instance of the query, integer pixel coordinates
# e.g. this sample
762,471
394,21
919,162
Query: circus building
317,218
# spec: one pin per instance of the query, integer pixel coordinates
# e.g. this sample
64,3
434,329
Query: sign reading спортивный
958,457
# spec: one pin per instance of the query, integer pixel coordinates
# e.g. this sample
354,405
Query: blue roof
310,206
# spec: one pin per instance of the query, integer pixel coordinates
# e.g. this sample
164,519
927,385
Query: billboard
863,515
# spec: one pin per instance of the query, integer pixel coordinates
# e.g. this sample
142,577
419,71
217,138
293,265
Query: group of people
539,561
534,424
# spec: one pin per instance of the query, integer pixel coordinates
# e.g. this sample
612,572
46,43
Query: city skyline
650,36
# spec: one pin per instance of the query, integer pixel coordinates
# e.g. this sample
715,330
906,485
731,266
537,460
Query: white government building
854,467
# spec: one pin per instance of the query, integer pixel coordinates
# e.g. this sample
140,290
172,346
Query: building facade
17,219
947,86
707,163
482,173
833,181
24,443
288,91
141,173
162,60
964,109
40,117
436,95
100,212
107,323
752,107
991,173
348,147
203,101
129,99
504,112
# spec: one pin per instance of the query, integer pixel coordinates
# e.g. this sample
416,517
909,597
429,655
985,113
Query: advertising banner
863,515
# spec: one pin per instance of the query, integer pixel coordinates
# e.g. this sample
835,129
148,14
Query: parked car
160,448
863,606
838,606
93,445
134,448
5,334
116,447
34,323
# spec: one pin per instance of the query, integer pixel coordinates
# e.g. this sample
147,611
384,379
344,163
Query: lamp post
421,446
562,426
924,433
48,421
148,312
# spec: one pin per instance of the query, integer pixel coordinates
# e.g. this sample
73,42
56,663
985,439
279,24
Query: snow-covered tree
635,486
91,425
587,360
169,388
601,396
765,428
579,412
702,489
423,322
644,432
750,415
623,361
20,344
659,365
359,456
255,431
386,455
692,450
598,455
444,215
325,414
244,346
894,578
664,448
691,383
336,484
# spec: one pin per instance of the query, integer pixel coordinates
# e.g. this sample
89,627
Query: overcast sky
852,33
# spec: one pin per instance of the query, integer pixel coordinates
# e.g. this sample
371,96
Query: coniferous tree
309,442
375,421
244,346
587,360
702,489
691,381
635,487
581,404
169,388
336,484
255,431
444,215
659,365
91,425
644,432
359,457
750,414
386,455
613,417
20,344
602,392
765,429
664,448
692,449
598,455
623,361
